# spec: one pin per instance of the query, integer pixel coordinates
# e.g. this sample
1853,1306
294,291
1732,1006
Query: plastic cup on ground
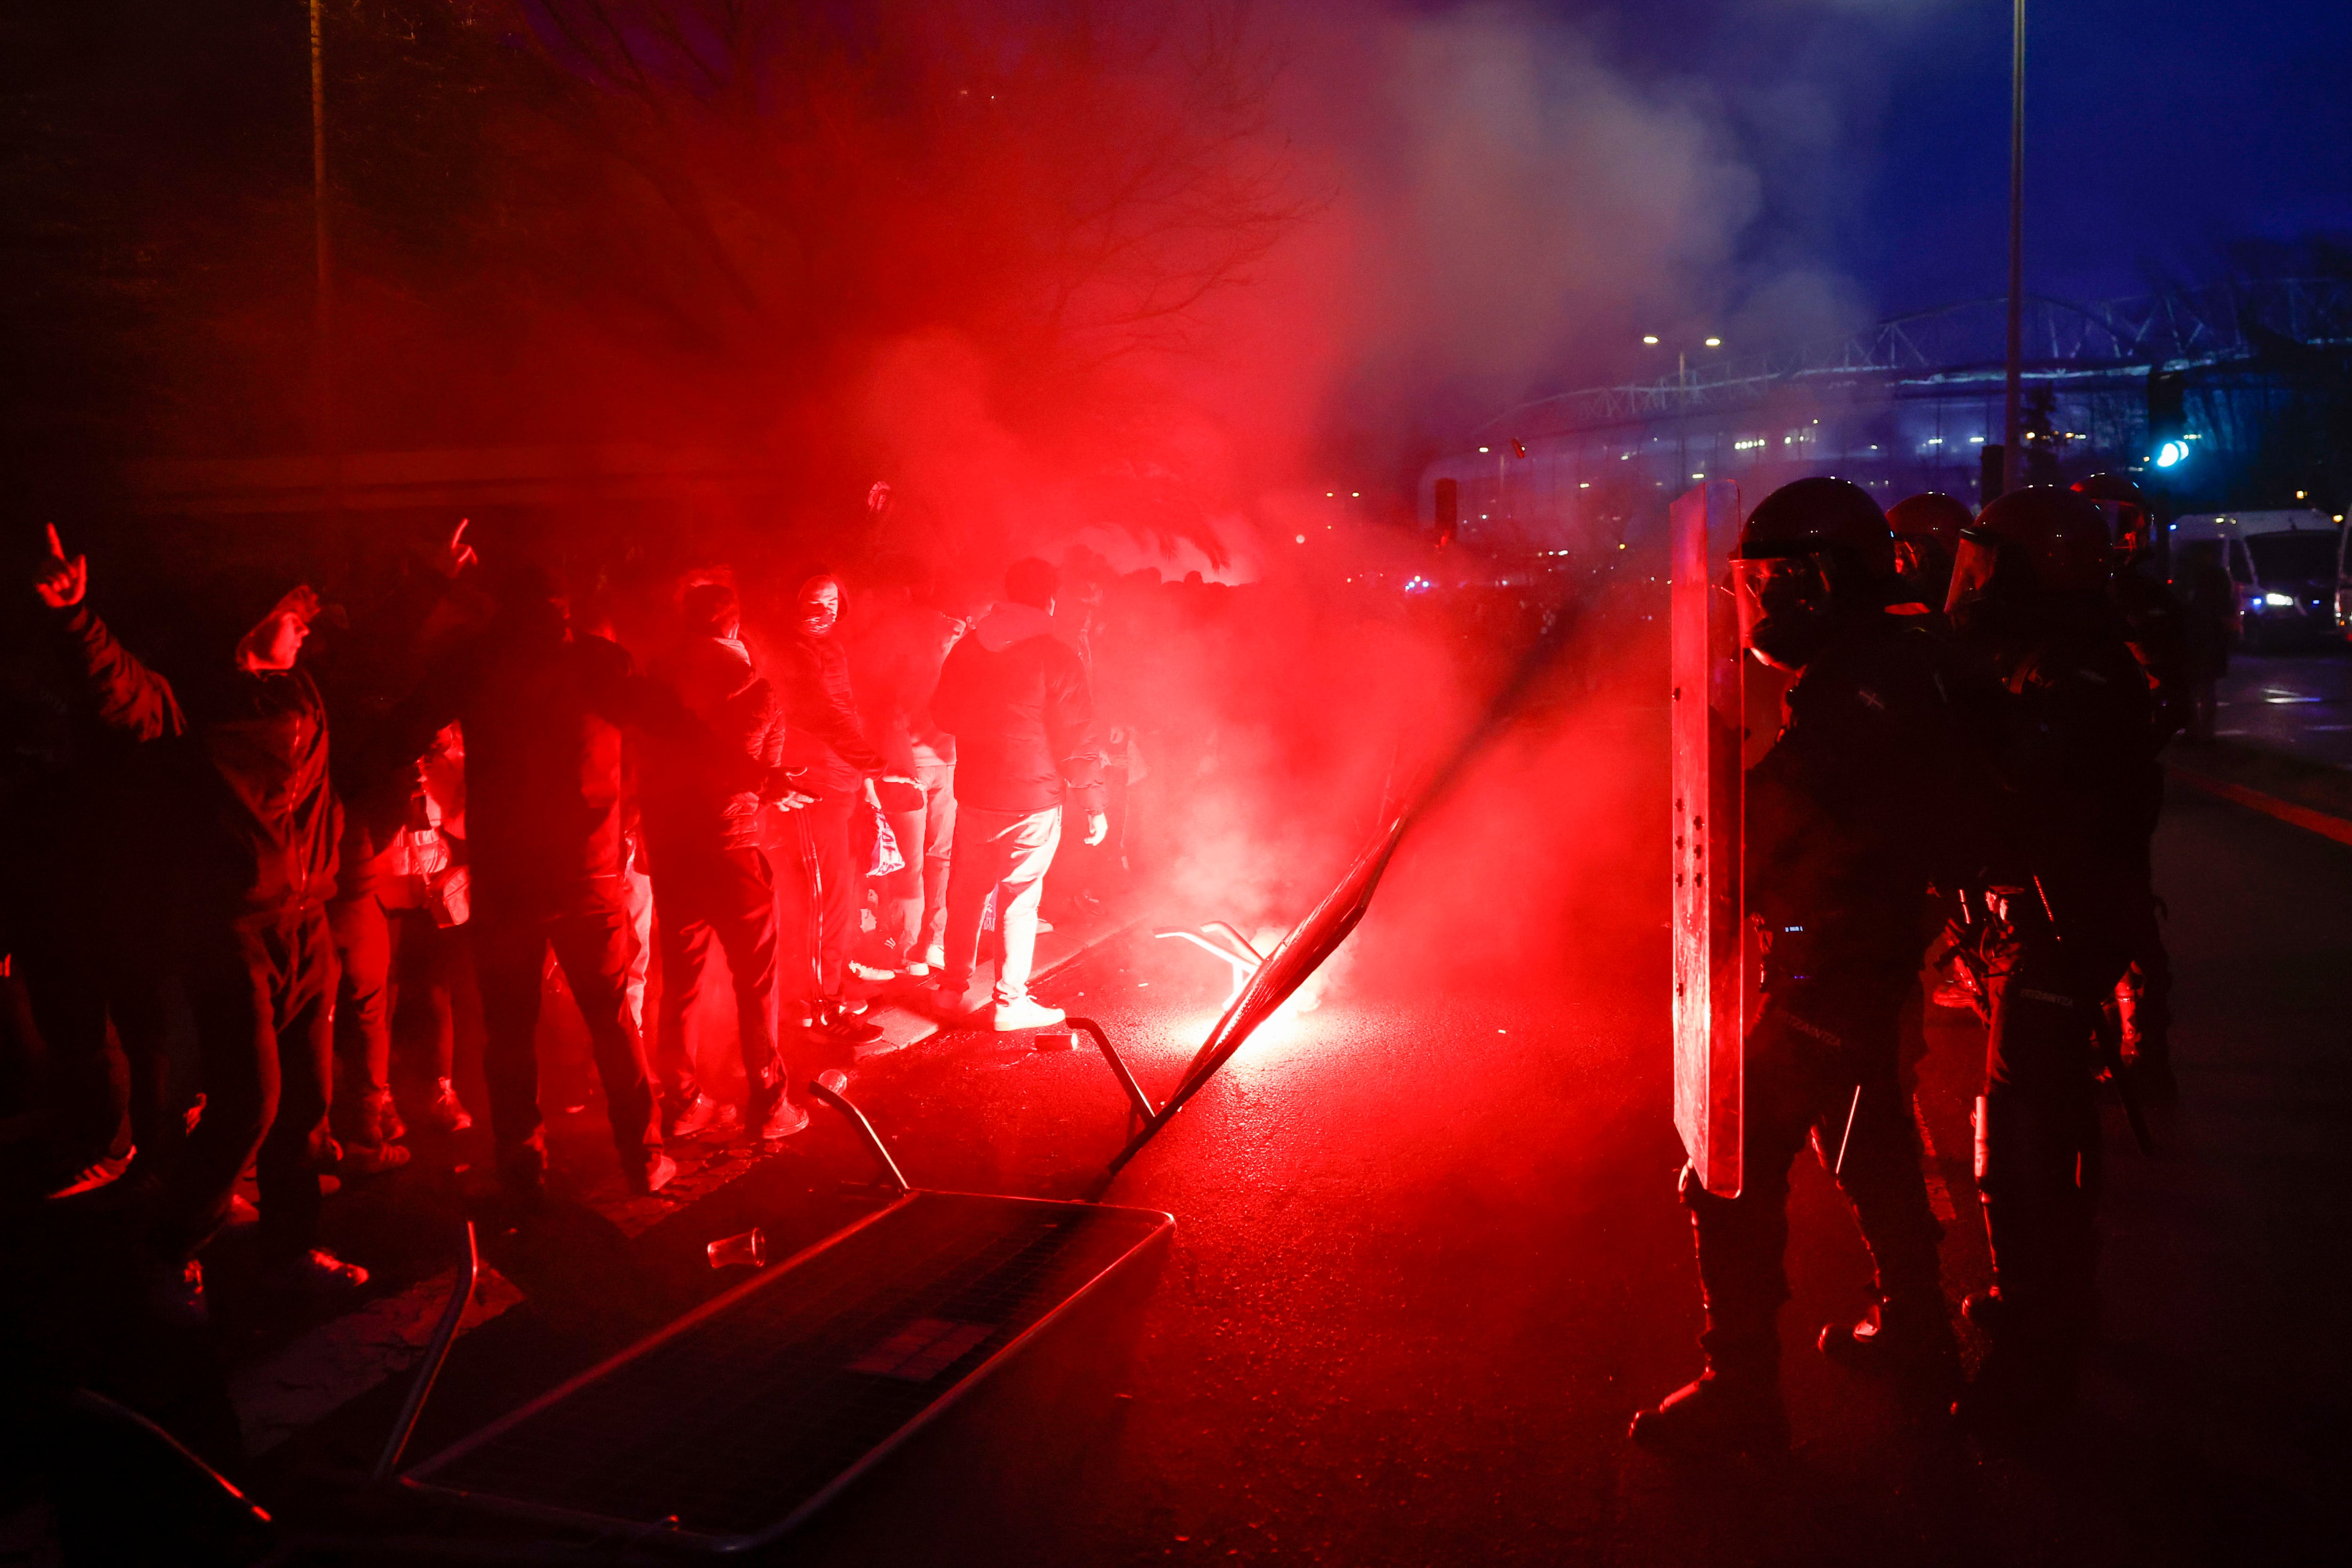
747,1250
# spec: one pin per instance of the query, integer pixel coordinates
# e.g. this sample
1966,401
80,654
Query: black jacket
543,710
1016,698
826,747
2079,787
704,792
1862,801
244,775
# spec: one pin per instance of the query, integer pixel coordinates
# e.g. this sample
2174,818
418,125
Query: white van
2288,568
2344,585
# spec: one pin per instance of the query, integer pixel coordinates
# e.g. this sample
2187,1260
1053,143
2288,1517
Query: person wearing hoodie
242,736
1016,698
710,880
830,760
543,707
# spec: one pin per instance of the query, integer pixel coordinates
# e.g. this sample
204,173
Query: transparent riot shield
1714,978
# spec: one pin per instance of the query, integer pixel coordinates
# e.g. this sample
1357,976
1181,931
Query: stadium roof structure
1964,345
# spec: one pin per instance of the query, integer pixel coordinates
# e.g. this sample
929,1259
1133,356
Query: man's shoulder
601,655
1882,669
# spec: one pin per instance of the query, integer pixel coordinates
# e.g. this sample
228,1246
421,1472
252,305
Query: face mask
819,611
1785,608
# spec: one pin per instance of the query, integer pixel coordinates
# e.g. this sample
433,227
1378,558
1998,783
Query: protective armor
2156,623
1836,851
2074,766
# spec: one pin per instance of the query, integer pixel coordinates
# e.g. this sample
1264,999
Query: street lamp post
2012,460
1681,400
329,424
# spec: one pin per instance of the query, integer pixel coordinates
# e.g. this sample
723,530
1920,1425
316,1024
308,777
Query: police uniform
2076,765
1842,837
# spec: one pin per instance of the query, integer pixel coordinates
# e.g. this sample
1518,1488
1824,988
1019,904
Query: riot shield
1714,978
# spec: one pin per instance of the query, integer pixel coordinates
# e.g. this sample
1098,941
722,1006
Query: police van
2287,568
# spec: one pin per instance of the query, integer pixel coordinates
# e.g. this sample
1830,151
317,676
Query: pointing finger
56,545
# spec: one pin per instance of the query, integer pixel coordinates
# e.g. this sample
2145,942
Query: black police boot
2028,1380
2152,1077
1721,1416
1908,1339
1736,1407
2036,1320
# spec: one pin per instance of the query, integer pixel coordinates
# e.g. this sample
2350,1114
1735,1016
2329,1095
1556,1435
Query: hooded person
829,759
243,777
1016,699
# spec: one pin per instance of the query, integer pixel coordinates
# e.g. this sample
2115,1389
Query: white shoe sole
801,1126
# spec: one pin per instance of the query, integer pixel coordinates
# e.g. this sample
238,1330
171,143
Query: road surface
1429,1259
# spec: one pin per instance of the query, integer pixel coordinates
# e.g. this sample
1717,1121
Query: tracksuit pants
262,989
1006,853
726,897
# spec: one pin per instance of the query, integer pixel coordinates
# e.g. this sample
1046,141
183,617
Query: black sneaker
102,1172
836,1022
1912,1346
1715,1417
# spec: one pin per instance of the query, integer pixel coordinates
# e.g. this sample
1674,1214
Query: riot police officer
2155,626
1842,827
2076,773
1927,534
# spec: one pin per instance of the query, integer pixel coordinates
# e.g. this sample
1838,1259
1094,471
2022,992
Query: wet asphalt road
2300,704
1428,1260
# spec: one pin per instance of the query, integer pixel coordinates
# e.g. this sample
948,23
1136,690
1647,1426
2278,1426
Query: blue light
2171,452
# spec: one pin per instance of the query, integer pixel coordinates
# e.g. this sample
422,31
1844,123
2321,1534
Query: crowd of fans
248,840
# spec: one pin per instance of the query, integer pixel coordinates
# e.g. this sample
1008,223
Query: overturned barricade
809,1375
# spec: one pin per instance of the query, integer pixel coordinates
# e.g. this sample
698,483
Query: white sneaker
935,956
1026,1014
784,1120
918,971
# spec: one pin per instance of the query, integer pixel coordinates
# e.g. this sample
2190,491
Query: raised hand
455,555
60,582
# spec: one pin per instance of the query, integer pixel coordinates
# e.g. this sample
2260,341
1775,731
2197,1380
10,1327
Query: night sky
2159,132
